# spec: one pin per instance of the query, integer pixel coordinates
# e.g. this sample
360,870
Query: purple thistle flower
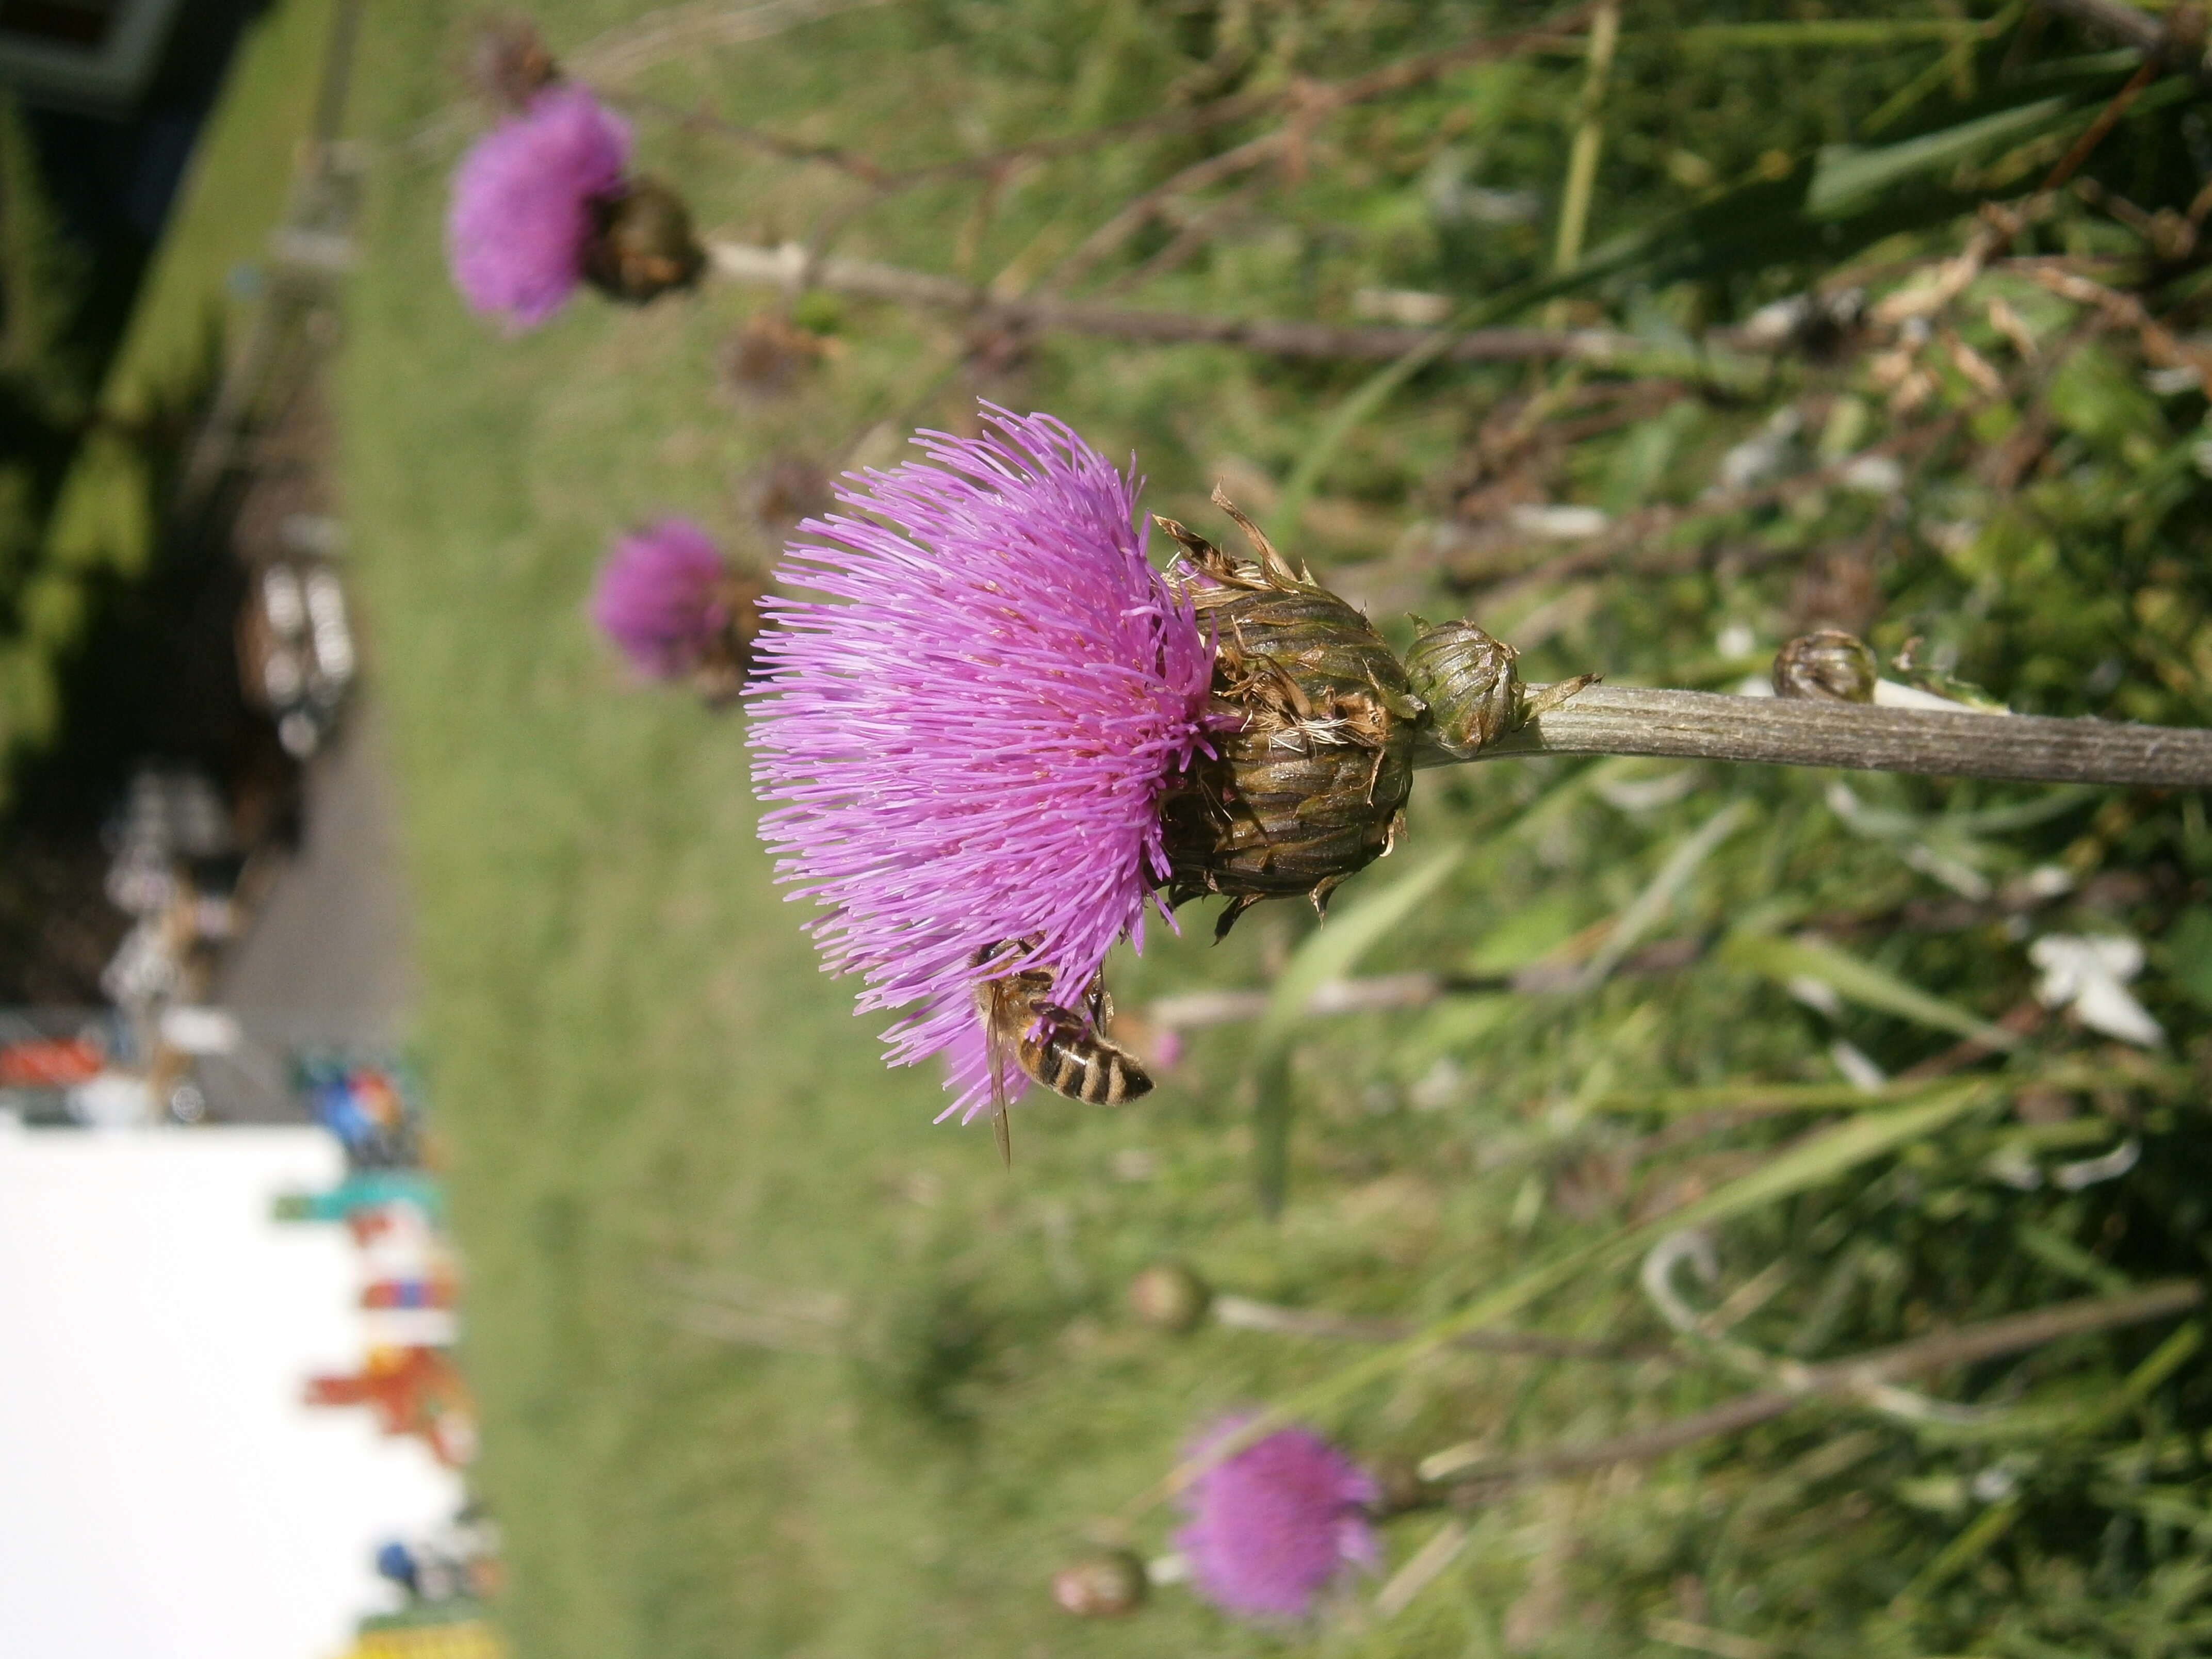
1272,1525
523,200
971,746
659,598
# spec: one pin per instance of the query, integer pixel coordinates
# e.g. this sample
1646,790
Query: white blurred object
1817,994
1857,1067
198,1031
2090,976
112,1100
1763,456
1891,693
143,968
1874,475
1409,307
1558,523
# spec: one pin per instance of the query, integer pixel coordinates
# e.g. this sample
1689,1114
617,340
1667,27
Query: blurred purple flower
1272,1525
971,747
659,598
522,207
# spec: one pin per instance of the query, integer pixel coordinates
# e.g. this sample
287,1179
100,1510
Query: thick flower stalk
543,202
1274,1525
670,604
968,740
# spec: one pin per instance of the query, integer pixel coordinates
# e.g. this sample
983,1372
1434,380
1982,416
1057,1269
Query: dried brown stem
752,137
1606,720
2125,24
789,266
1242,1313
1223,111
1994,1340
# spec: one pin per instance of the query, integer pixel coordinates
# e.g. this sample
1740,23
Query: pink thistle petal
968,744
658,597
1274,1525
521,211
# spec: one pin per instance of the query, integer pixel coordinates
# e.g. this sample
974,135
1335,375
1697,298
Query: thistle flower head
1273,1524
661,598
525,203
970,737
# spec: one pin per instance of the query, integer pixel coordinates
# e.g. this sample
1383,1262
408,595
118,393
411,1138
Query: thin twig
1469,1465
758,138
787,266
2125,24
1605,720
1223,111
1243,1313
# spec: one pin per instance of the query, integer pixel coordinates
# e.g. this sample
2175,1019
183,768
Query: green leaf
1329,953
2188,947
1785,959
1799,1167
1845,175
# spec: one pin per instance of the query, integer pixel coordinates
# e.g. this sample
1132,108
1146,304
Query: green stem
1589,140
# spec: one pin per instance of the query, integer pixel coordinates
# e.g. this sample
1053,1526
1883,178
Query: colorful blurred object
414,1391
50,1064
368,1102
471,1637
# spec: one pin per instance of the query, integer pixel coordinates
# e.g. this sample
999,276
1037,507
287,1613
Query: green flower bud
1469,683
1827,665
642,244
1169,1296
1316,759
1103,1587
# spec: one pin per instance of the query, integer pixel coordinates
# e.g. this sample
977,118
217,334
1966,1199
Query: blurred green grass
670,1139
95,526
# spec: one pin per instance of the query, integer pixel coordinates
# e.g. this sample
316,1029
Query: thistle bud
1103,1587
1827,665
1314,725
1469,683
1169,1296
642,244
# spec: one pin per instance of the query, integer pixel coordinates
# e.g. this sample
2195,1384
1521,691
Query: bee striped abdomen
1071,1059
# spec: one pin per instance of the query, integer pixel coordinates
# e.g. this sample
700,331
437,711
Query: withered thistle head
768,355
791,486
641,246
1828,665
1171,1296
509,65
1103,1586
1313,761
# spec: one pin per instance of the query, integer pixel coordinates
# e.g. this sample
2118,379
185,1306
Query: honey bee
1063,1049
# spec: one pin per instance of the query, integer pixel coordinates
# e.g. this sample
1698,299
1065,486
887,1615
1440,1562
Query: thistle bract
1309,780
525,205
1272,1525
968,738
1469,683
662,598
1827,665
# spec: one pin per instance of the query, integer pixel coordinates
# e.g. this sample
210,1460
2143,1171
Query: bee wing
995,1054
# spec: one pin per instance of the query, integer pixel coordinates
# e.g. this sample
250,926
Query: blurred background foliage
770,1365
